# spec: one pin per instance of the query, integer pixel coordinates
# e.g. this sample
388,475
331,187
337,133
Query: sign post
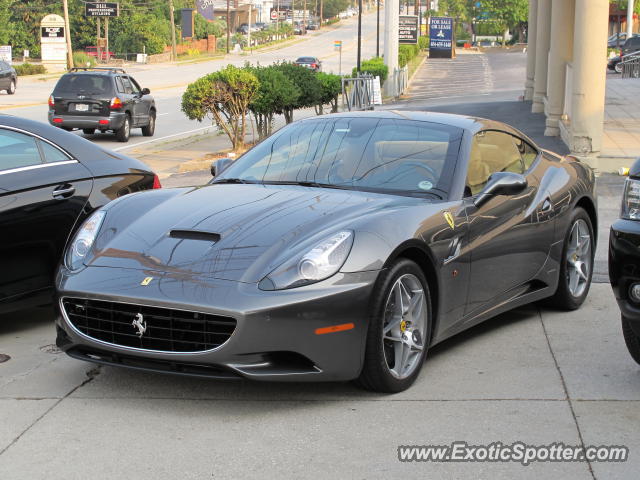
441,38
99,10
408,31
53,43
337,45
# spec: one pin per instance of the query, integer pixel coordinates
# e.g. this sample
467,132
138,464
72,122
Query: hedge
29,69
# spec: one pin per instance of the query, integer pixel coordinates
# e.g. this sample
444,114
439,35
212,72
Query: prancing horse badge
449,218
146,281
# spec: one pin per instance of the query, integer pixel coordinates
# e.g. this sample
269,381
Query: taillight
313,65
115,104
156,182
52,101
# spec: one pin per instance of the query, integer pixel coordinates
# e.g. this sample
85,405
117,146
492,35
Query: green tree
223,97
331,86
332,8
276,93
308,84
508,14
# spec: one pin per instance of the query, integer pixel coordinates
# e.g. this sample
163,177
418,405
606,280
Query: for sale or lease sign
441,42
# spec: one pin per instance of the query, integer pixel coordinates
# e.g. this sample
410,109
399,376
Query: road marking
161,114
162,138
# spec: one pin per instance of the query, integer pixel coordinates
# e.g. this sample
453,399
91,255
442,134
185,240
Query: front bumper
275,337
624,266
113,121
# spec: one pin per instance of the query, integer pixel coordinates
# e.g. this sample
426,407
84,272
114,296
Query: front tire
399,329
122,135
576,265
618,67
12,87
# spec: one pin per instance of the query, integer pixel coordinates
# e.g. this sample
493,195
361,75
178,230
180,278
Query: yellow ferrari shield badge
146,281
449,218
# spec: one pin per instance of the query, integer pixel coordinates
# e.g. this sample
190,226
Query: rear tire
88,131
123,133
576,262
12,87
149,130
400,288
631,339
618,67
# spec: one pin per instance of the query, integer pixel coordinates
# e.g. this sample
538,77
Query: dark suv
632,45
102,99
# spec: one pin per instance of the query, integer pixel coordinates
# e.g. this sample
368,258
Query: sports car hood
231,232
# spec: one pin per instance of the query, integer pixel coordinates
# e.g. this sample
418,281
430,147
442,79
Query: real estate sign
441,37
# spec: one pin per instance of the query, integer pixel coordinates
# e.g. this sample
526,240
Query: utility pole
391,19
98,37
304,16
106,36
228,35
67,35
174,54
320,26
249,29
377,28
359,35
630,19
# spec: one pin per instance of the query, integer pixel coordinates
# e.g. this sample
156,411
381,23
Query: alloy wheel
405,325
579,258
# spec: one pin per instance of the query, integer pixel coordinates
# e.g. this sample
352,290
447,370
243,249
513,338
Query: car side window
135,88
17,150
51,154
128,89
119,85
491,152
529,154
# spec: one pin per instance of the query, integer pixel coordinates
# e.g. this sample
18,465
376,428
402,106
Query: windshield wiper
308,184
232,180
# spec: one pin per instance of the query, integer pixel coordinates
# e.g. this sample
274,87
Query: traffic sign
337,43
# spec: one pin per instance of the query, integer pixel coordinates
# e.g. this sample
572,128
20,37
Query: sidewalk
622,120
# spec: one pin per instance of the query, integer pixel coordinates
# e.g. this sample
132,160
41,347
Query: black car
104,99
313,63
342,247
631,45
624,261
50,181
614,64
8,78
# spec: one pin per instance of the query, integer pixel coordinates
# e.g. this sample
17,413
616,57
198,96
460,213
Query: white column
543,32
561,53
391,24
589,77
531,49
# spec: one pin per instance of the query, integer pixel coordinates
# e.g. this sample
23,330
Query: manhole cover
4,358
51,348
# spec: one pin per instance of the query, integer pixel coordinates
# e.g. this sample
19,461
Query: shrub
308,84
406,53
331,87
376,67
276,93
423,43
81,59
29,69
224,97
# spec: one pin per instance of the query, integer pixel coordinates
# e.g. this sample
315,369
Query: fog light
634,292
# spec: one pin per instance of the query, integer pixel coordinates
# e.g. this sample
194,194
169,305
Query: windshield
84,83
400,156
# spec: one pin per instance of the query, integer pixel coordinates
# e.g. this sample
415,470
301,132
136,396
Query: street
534,375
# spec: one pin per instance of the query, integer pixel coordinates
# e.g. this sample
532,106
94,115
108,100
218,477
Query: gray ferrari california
340,248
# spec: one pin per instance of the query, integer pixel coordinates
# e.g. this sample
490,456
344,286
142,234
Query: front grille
162,329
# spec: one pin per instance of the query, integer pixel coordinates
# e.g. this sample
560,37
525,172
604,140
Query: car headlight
631,200
318,263
83,240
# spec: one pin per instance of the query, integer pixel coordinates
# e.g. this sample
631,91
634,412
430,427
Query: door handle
546,205
60,193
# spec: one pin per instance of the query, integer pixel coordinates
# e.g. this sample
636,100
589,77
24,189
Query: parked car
631,45
260,26
612,41
104,99
50,181
342,247
8,78
105,56
614,64
313,26
299,28
243,28
313,63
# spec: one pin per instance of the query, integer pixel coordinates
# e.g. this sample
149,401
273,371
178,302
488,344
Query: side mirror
146,91
218,166
501,183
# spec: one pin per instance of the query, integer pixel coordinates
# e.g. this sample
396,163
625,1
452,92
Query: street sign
441,37
408,29
337,44
101,9
5,53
